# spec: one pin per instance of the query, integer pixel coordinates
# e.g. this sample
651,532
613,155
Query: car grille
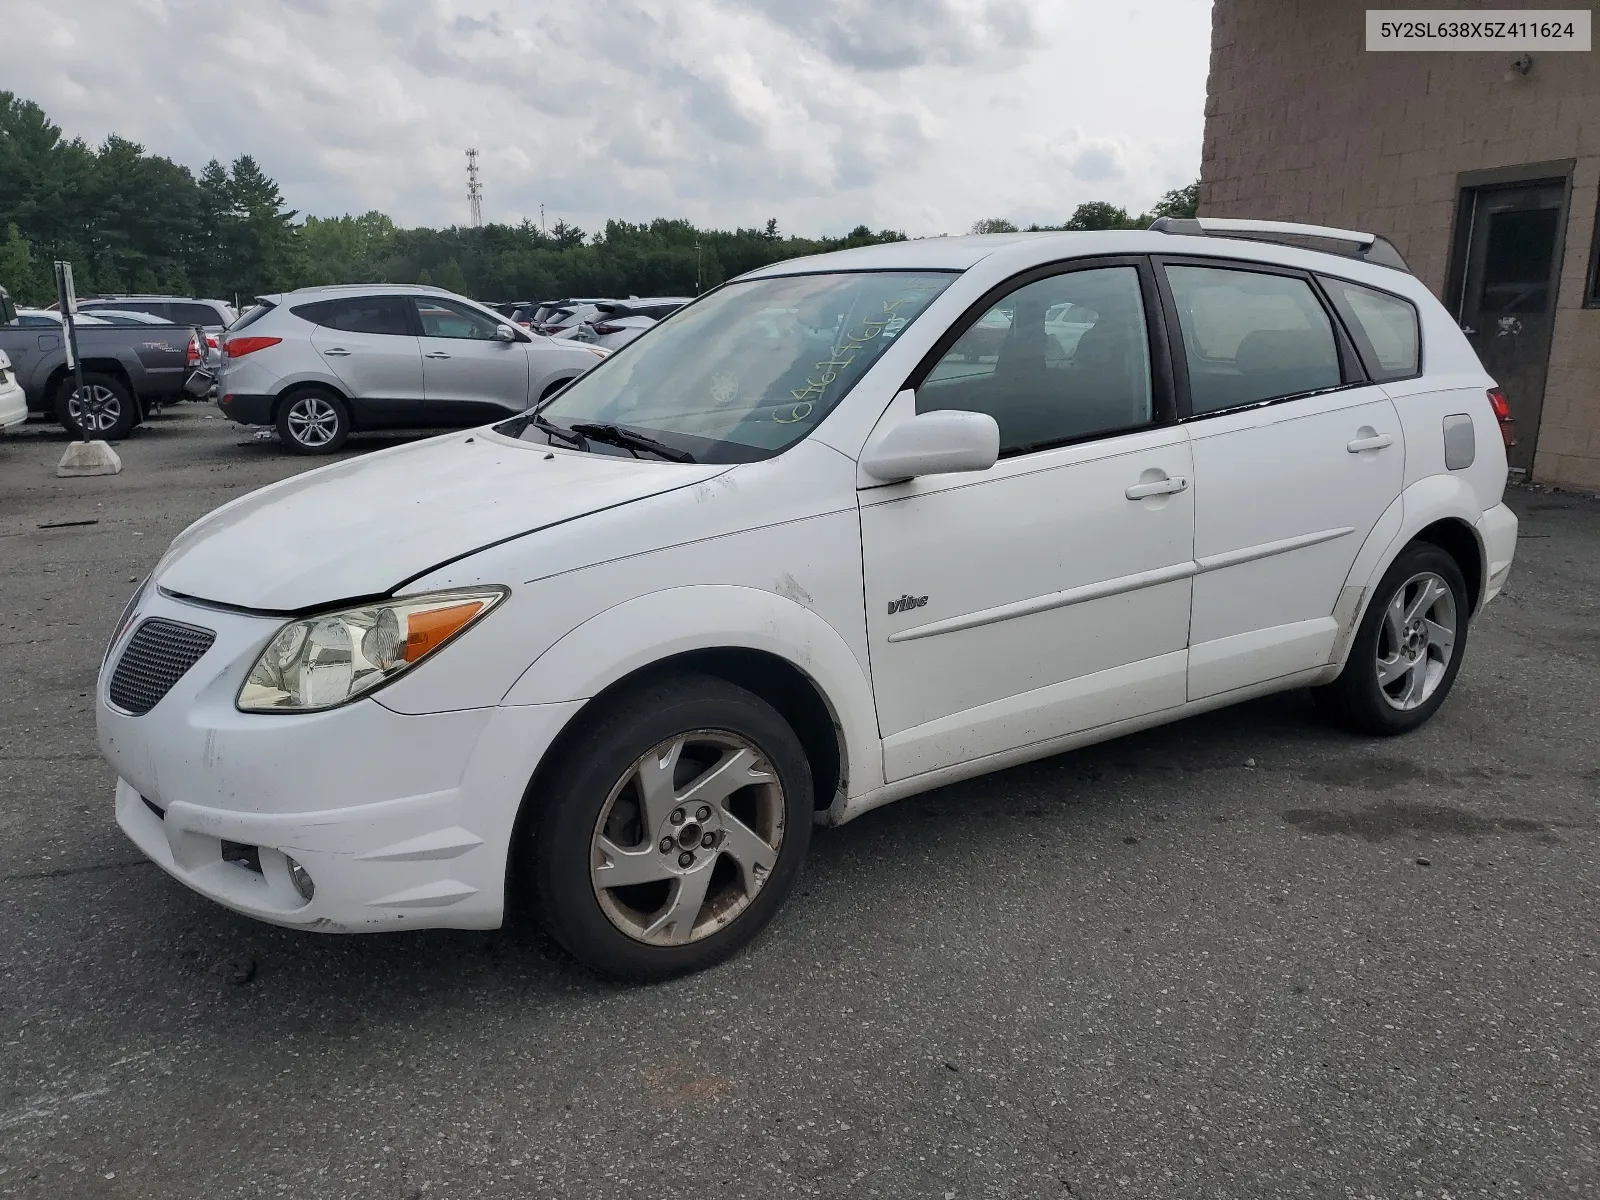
158,654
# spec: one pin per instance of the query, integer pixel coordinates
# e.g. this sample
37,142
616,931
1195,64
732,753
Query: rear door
369,344
468,374
1296,456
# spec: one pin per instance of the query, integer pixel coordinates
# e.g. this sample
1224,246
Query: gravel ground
1240,956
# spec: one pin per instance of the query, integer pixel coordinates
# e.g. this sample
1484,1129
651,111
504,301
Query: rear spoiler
1351,243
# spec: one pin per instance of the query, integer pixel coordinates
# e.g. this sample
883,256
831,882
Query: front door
1049,594
468,374
1295,459
1509,270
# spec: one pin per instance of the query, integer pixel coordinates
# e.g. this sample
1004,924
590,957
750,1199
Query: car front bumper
400,821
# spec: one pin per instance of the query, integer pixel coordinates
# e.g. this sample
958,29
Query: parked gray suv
320,362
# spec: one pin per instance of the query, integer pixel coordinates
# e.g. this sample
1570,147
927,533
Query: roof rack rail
1369,247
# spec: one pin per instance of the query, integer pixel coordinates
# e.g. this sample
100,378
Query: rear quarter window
1384,327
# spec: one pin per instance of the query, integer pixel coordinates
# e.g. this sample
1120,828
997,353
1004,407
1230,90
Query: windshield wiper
616,435
551,429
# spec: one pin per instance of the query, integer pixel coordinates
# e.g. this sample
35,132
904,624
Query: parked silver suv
320,362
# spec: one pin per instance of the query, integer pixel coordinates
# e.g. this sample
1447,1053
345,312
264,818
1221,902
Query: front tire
107,410
312,421
1408,650
671,830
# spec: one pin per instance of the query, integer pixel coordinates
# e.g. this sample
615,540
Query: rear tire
111,411
313,421
735,852
1408,649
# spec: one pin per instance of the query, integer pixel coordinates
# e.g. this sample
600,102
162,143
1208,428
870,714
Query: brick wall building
1482,169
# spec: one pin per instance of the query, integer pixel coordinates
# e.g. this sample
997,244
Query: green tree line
129,221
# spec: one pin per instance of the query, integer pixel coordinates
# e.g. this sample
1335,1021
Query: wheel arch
555,385
98,366
767,643
1440,510
1459,539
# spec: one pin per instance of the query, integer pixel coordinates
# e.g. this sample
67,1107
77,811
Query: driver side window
442,319
1058,360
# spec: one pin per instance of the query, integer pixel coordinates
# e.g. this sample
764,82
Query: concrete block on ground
89,458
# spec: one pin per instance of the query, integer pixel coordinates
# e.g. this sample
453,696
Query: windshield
752,368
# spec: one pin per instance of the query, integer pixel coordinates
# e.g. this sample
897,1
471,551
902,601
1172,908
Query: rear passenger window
367,314
1057,360
1250,336
1384,328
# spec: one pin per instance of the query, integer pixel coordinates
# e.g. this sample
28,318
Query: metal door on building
1508,264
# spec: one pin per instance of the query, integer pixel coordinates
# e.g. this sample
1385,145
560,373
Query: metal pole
69,303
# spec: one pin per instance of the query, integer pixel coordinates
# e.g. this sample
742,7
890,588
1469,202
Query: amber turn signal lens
425,631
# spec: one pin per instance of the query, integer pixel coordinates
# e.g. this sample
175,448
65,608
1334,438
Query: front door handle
1157,487
336,352
435,354
1376,441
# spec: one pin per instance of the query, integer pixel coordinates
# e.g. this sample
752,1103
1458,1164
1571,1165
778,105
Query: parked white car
13,400
799,554
322,362
615,323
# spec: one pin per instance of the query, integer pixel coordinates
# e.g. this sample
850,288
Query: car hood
363,527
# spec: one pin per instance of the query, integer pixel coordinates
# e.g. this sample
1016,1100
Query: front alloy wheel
668,828
687,838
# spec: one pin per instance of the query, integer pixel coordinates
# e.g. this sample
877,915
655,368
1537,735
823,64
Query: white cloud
924,115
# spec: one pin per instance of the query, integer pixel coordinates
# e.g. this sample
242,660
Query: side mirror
8,310
932,443
504,333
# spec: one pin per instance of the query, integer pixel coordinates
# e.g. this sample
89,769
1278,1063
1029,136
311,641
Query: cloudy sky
922,115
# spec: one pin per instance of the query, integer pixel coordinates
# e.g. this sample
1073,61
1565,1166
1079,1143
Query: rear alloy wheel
672,830
313,422
1407,652
105,409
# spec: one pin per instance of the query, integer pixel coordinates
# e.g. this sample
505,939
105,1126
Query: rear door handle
1157,487
1376,442
435,354
336,352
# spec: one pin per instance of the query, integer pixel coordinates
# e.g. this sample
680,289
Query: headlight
326,660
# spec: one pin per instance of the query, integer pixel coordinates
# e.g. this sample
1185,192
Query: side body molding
646,629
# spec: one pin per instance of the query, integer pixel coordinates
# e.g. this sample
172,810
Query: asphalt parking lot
1240,956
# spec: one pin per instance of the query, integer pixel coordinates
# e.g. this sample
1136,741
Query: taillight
238,347
1502,414
608,328
211,340
192,354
